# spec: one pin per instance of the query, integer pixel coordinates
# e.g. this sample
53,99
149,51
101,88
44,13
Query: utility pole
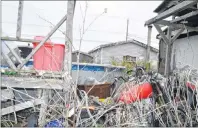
69,36
148,43
127,30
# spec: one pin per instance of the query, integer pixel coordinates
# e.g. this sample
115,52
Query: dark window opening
25,51
129,58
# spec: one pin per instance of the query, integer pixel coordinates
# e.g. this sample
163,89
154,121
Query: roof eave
157,10
87,54
123,42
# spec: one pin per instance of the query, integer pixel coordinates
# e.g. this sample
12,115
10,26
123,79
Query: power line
121,33
109,16
141,36
94,30
144,40
29,35
92,15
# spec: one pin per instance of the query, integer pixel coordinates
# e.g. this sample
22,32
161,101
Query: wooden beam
179,26
177,8
69,37
21,106
164,23
185,16
7,38
168,23
9,61
19,39
177,35
31,83
175,26
42,42
43,108
168,53
14,53
162,34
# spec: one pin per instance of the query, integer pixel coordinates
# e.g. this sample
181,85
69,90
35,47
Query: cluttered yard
46,89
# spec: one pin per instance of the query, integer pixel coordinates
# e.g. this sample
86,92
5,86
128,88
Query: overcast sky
109,27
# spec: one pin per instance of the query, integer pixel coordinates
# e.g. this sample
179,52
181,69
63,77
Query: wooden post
67,66
19,20
167,41
43,108
168,53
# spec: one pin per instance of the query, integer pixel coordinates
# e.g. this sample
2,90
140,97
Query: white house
131,50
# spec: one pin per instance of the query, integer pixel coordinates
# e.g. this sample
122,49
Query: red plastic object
190,85
137,92
49,57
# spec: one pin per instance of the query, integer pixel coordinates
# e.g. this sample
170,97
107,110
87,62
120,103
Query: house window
129,58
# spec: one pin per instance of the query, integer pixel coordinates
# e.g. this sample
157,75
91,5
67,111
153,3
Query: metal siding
96,56
82,58
185,52
107,75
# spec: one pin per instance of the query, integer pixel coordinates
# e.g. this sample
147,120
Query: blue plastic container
55,123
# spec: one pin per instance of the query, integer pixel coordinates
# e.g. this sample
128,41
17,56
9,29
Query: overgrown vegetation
131,65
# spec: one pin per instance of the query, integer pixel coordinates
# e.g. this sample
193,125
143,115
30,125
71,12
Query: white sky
110,27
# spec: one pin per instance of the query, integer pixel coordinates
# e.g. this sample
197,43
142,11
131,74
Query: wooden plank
43,108
185,16
177,8
20,106
31,83
14,53
6,94
8,60
19,39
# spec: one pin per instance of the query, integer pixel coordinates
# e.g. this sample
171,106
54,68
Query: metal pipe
42,42
148,43
127,30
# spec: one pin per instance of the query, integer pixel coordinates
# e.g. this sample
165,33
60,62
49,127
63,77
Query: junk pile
149,100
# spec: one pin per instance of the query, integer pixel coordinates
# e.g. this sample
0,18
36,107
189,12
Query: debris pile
149,100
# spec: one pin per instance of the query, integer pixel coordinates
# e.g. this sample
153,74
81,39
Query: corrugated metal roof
165,5
123,42
77,51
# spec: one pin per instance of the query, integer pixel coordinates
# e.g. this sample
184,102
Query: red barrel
49,57
137,92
